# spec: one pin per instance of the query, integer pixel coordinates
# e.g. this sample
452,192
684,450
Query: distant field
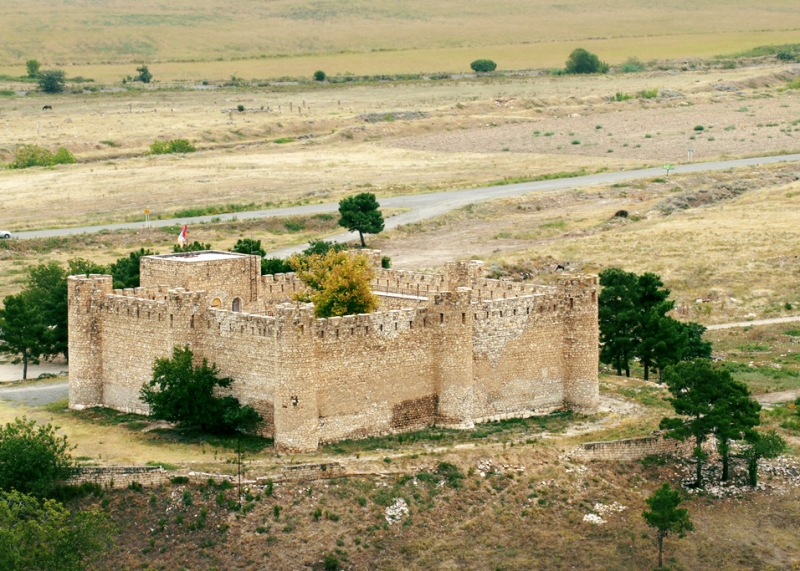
295,37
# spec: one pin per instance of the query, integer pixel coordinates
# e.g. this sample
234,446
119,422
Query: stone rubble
487,467
397,511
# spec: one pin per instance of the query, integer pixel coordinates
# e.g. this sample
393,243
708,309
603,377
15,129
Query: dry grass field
212,40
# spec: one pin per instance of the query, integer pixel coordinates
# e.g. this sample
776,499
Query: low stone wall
631,449
118,476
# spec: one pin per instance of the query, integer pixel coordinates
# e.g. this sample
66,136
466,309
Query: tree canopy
665,516
33,458
38,535
582,61
184,393
143,74
339,283
32,67
359,213
125,270
51,80
23,334
483,65
634,324
709,401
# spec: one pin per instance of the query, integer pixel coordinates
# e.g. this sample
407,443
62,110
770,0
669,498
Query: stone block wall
631,449
118,476
446,357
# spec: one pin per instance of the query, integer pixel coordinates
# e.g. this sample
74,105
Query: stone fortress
448,350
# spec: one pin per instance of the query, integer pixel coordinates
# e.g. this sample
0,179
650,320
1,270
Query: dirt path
770,321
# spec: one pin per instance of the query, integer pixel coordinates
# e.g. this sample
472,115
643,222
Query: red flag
183,236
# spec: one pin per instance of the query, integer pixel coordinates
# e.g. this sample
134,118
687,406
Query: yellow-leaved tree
339,283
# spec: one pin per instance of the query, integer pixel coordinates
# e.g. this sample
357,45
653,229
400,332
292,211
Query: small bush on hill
319,75
483,65
173,146
36,156
582,61
632,65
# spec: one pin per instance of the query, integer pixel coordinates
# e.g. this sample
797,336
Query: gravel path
36,394
754,322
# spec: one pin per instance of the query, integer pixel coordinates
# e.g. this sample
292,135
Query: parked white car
5,234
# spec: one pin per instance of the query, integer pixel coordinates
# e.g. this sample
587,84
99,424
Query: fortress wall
484,288
225,278
278,288
389,302
244,347
406,282
517,356
136,332
375,373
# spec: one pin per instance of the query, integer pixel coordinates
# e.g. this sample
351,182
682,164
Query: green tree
319,75
46,288
735,416
33,458
619,317
125,271
184,393
582,61
666,517
143,75
23,334
695,347
275,266
339,283
33,67
38,535
762,445
249,246
321,247
696,388
483,65
51,80
191,247
359,213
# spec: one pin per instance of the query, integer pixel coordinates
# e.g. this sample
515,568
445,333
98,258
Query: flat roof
205,256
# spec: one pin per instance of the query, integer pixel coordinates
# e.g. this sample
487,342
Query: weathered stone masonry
450,350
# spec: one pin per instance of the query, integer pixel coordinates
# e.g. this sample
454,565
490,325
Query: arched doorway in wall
216,303
236,305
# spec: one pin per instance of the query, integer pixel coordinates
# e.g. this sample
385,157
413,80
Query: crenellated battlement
448,349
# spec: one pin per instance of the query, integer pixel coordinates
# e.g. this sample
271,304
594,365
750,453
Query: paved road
38,394
424,206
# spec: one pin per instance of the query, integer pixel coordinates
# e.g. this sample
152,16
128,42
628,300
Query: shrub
582,61
35,156
63,157
647,94
51,80
144,75
483,65
621,96
632,65
33,67
173,146
182,392
785,55
331,562
240,108
319,75
32,457
699,128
